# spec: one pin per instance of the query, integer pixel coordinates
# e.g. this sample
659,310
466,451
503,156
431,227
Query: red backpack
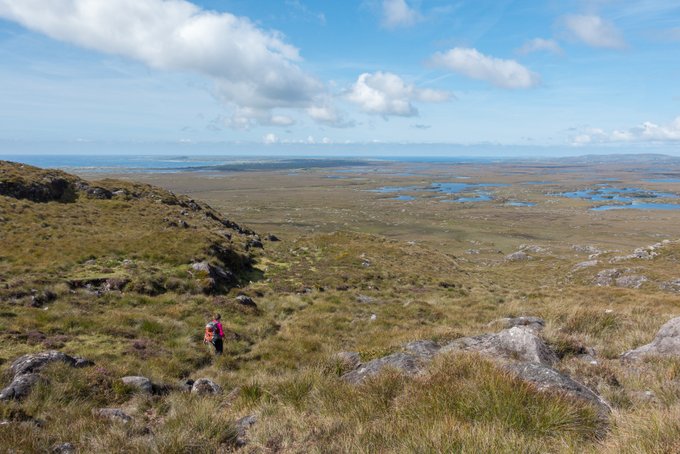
210,330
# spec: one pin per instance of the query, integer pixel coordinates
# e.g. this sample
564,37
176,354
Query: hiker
214,333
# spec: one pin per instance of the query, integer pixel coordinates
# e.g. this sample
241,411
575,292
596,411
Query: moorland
321,273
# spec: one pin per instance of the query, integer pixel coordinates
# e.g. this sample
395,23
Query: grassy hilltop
126,275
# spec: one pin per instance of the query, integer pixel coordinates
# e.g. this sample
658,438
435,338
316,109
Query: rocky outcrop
666,343
533,323
212,277
25,182
517,349
423,348
204,386
403,362
27,368
517,344
348,360
247,301
545,378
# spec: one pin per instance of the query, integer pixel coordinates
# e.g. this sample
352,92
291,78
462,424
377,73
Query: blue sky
317,76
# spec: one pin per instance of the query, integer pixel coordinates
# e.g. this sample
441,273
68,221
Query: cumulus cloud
270,139
646,132
475,65
397,13
594,31
540,45
387,94
252,68
329,116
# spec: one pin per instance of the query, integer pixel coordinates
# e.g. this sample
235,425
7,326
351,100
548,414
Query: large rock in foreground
516,343
548,379
666,343
403,362
26,371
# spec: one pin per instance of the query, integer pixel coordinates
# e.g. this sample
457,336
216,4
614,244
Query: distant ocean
173,164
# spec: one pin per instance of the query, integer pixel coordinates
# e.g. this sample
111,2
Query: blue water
538,182
404,198
393,189
602,193
520,204
120,164
482,197
662,180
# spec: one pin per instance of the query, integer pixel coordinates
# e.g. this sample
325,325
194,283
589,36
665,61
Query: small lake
662,180
406,198
520,204
604,193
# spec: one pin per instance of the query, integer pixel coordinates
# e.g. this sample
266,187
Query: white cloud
473,64
387,94
270,139
397,13
329,116
540,45
594,31
253,68
646,132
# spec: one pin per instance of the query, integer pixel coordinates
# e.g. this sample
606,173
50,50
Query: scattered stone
63,448
94,192
403,362
666,343
42,298
605,278
254,242
247,301
26,371
423,348
586,249
548,379
586,264
517,256
365,299
671,286
533,248
350,360
242,426
141,384
273,238
114,414
533,323
472,251
645,396
204,386
517,344
186,385
632,281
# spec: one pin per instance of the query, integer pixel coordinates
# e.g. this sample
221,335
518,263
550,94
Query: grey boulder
517,344
204,386
547,379
139,383
666,343
403,362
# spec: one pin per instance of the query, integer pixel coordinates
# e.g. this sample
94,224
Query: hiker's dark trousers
218,346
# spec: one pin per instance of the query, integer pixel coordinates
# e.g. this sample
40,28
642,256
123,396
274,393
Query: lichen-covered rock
517,344
242,426
247,301
666,343
212,277
27,368
605,278
403,362
204,386
631,281
139,383
534,323
548,379
423,348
